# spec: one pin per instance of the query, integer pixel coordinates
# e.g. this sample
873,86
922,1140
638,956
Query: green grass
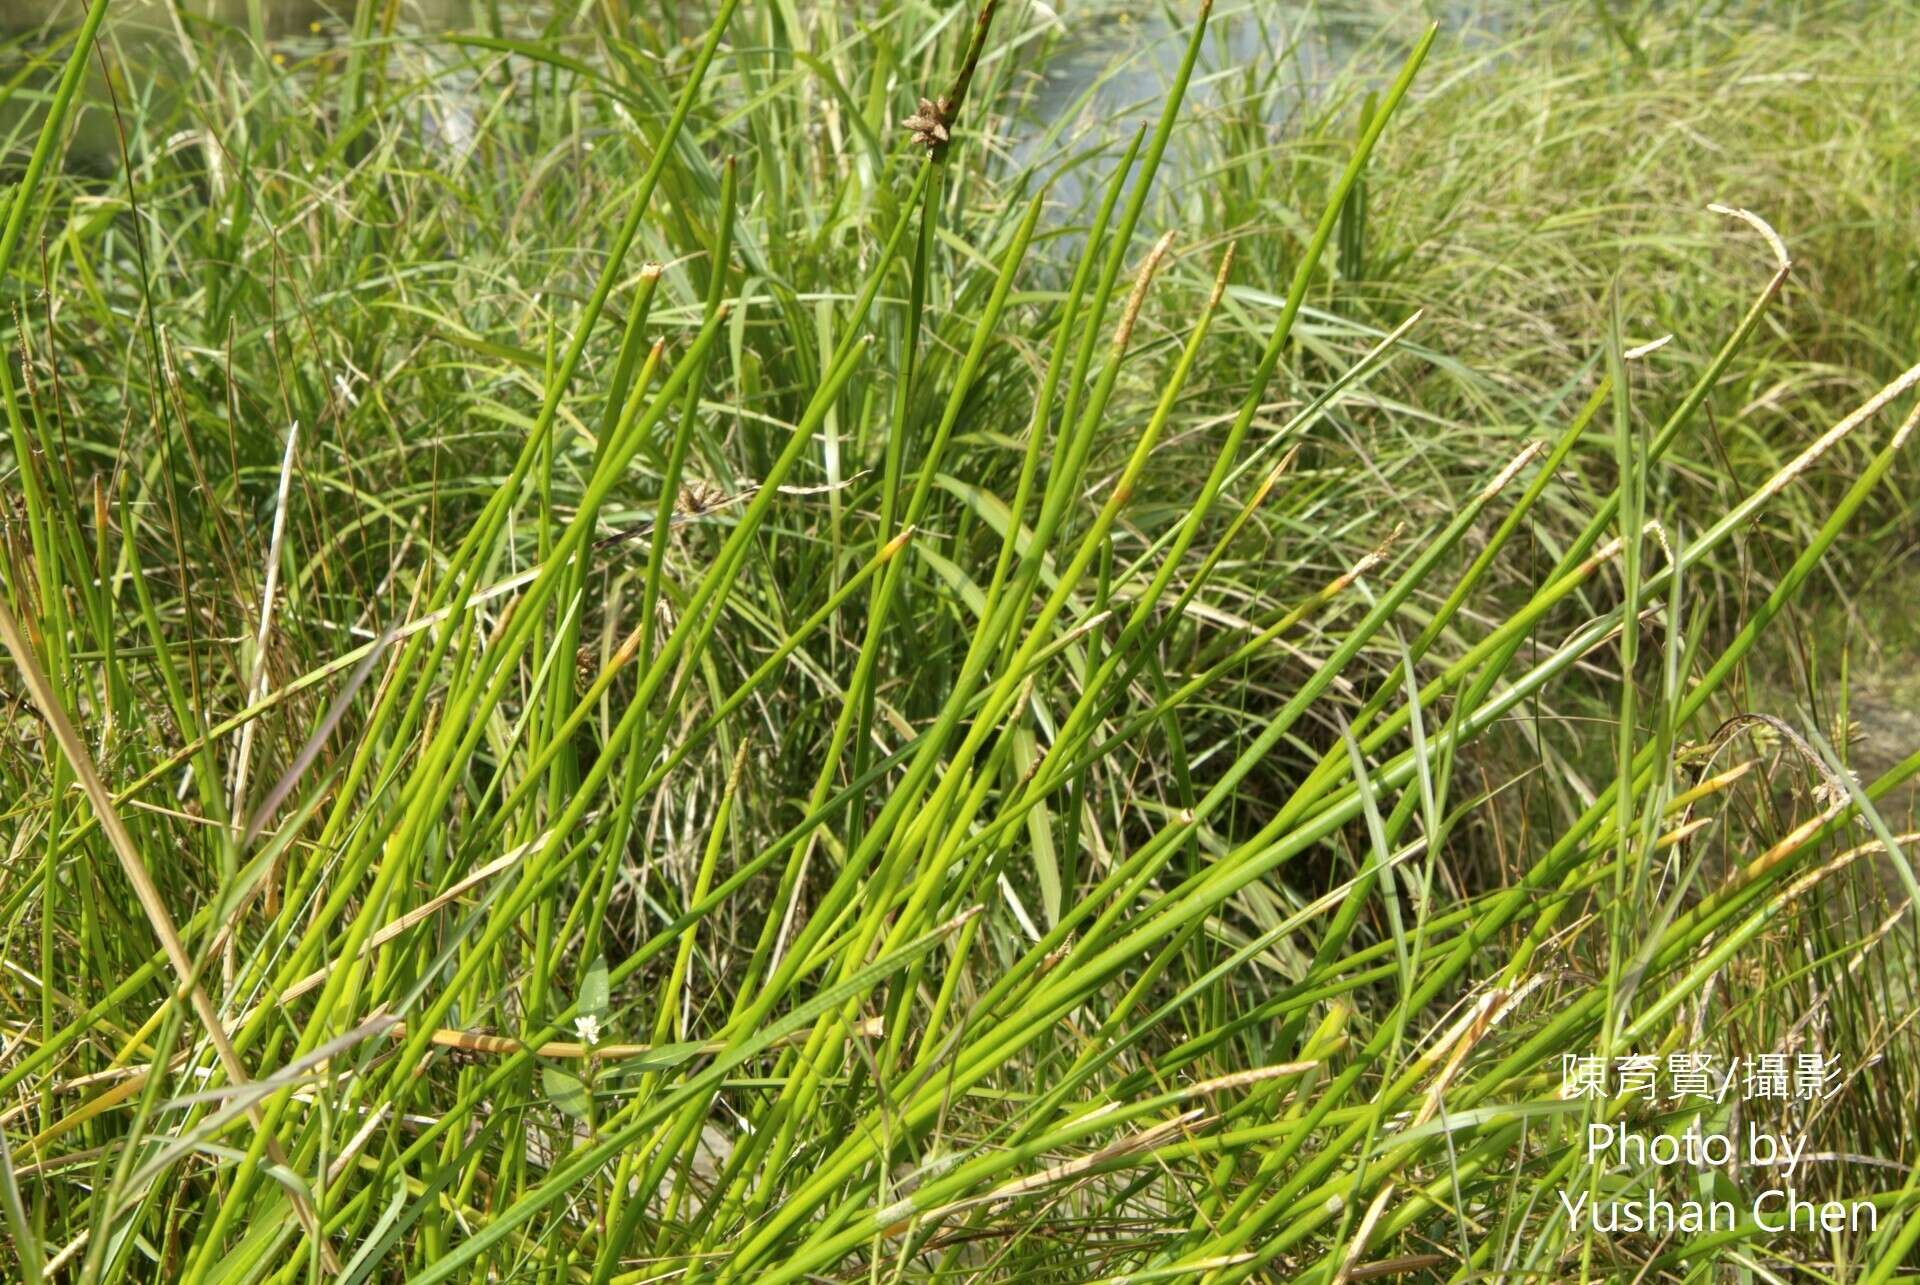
617,671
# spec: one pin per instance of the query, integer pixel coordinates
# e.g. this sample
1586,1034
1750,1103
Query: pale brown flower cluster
928,124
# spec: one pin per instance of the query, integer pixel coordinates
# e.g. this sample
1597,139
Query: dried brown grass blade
75,750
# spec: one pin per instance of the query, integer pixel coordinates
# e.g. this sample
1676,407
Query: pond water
274,17
1110,75
1110,67
137,31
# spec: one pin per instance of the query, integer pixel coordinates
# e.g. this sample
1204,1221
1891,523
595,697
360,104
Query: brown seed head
928,124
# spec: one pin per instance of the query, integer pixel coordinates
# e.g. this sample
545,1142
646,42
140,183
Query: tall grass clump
647,647
1551,155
